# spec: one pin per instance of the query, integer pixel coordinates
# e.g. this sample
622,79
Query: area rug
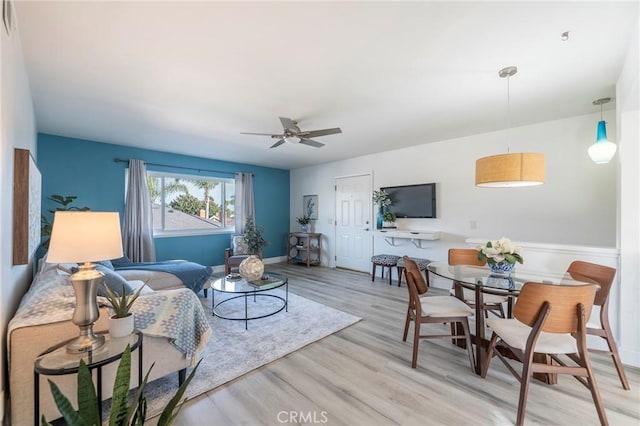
234,351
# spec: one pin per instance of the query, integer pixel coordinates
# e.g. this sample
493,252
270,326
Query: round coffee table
256,289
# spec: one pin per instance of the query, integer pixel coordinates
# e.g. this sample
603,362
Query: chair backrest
603,275
563,300
239,245
414,274
459,256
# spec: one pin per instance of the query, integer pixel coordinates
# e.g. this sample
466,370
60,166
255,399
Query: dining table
482,281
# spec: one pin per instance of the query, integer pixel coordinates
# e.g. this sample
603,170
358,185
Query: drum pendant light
510,169
603,150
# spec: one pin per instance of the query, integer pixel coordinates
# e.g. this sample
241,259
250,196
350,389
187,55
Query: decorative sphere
251,268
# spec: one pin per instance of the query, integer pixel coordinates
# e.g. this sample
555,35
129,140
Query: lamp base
87,341
85,284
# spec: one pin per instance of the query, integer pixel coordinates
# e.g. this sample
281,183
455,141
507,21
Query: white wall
576,205
627,100
17,130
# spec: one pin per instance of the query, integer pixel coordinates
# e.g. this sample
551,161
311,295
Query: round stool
422,265
386,261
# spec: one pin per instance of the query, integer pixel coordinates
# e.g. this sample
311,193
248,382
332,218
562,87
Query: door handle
366,229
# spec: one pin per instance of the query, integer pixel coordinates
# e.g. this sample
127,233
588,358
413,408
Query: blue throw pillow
114,281
122,261
106,264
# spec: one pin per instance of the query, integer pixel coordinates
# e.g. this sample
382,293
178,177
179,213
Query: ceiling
188,77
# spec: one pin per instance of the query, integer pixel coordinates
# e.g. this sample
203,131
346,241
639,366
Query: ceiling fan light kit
510,169
293,135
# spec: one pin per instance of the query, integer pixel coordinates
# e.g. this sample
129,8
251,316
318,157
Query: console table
304,247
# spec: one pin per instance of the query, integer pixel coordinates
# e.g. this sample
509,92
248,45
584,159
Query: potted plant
501,255
254,237
252,267
381,199
389,219
123,412
121,323
304,222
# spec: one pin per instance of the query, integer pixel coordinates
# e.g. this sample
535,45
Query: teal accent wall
86,169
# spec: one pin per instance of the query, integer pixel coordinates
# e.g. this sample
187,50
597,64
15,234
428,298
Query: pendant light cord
508,115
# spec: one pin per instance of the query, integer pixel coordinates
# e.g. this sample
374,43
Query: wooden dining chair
603,275
491,302
435,309
549,319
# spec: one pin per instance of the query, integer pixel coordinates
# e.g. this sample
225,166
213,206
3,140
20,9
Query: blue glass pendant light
603,150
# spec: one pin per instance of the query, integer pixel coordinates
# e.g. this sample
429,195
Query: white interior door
353,227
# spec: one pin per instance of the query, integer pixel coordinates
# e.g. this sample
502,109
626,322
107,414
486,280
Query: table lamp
85,237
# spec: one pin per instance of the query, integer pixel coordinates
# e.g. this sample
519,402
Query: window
190,204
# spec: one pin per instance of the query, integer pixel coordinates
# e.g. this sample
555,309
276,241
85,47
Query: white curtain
137,233
244,206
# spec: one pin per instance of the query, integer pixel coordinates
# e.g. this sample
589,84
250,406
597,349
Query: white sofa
34,329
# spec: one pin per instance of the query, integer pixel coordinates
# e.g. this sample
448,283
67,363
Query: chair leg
487,361
373,272
593,387
416,342
426,277
524,387
406,326
390,273
467,335
400,273
614,354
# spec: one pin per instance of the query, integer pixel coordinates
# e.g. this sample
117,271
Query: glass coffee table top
246,301
236,284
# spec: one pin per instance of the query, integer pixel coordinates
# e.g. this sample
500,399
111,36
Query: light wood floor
362,376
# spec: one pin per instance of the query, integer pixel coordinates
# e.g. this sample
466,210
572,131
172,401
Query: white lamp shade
602,152
85,237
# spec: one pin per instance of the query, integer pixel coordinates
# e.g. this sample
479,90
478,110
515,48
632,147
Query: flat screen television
412,201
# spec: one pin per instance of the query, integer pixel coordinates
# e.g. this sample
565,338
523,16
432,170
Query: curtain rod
120,160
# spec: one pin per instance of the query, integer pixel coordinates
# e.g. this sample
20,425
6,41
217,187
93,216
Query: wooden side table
304,247
55,361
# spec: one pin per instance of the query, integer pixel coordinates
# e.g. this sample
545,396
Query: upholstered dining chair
434,309
549,319
603,275
491,302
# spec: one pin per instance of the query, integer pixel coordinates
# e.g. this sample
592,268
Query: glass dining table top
482,276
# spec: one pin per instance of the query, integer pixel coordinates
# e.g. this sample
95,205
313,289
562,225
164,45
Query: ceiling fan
293,134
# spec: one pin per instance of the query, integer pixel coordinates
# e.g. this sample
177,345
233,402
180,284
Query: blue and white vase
379,219
501,268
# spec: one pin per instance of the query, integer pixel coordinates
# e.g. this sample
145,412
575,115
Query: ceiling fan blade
280,142
259,134
289,124
323,132
311,143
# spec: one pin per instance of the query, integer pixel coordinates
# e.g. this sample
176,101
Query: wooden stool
422,265
386,261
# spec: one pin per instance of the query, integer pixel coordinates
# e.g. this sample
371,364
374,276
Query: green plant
381,198
187,203
121,303
303,220
389,216
254,237
63,204
123,412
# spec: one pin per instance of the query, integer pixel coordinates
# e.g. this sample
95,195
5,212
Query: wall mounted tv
412,201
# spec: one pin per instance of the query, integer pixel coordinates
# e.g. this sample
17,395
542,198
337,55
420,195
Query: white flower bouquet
501,251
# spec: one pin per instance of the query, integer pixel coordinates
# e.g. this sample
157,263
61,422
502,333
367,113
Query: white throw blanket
174,314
